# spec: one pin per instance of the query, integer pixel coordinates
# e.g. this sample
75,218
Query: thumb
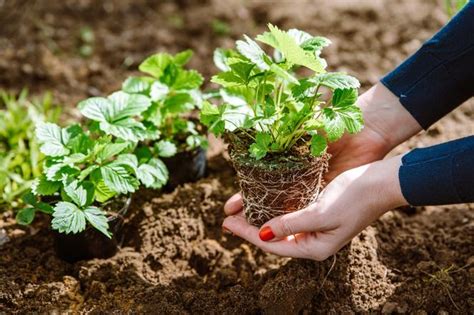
305,220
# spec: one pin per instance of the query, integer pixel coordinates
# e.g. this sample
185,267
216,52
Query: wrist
384,115
385,175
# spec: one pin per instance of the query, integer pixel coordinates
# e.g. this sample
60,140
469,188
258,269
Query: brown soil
176,258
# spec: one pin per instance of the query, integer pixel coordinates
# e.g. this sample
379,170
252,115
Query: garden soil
175,257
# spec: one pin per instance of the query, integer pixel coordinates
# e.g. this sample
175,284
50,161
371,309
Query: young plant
85,169
174,94
19,151
278,109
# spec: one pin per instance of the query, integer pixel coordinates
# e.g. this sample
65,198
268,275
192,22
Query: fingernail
266,234
226,230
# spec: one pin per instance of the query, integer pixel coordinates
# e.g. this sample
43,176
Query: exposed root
268,194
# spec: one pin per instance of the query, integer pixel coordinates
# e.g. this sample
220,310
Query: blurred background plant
20,157
453,6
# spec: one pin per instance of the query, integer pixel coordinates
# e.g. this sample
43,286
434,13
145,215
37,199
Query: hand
348,204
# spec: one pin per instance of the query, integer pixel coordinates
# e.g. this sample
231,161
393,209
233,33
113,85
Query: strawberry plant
174,94
19,151
84,169
278,113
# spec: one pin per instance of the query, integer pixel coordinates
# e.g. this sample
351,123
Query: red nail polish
266,234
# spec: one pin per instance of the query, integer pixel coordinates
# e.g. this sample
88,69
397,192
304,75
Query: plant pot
278,184
185,167
91,243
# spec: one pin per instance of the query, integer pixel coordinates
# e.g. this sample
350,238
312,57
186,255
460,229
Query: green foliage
453,6
267,100
174,93
20,156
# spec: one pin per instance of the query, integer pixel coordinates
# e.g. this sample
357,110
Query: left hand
351,202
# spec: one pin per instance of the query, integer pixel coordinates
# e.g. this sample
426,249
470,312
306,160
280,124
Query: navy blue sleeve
439,175
440,75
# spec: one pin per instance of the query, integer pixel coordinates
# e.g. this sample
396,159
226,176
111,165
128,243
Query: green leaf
126,129
97,218
153,174
111,150
96,108
252,51
128,160
166,148
337,80
127,105
136,85
352,118
333,124
344,97
155,65
44,207
285,75
188,80
220,59
29,198
25,216
77,193
159,91
118,179
211,117
68,218
318,145
315,44
259,149
42,186
102,192
288,46
53,139
179,103
183,57
228,79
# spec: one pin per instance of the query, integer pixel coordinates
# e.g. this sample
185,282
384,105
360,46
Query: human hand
347,205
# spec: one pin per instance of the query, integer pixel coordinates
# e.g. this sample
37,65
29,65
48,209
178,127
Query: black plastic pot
91,243
185,167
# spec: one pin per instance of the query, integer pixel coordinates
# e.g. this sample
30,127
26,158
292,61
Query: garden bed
175,257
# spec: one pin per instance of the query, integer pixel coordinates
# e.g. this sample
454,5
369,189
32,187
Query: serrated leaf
118,179
95,108
318,145
97,218
285,75
128,160
337,80
183,57
25,216
228,79
153,174
333,125
290,49
77,193
44,187
156,64
188,80
260,147
136,85
344,97
111,150
126,129
68,218
102,192
52,138
166,148
127,105
252,51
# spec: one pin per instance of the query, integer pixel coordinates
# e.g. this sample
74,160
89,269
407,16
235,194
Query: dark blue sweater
430,84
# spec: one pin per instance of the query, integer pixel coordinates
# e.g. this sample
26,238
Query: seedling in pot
175,95
278,114
84,169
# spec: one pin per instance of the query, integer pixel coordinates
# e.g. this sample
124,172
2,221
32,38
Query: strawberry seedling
84,169
175,95
278,114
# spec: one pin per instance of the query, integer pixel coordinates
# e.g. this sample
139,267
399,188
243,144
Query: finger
234,204
305,220
307,246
